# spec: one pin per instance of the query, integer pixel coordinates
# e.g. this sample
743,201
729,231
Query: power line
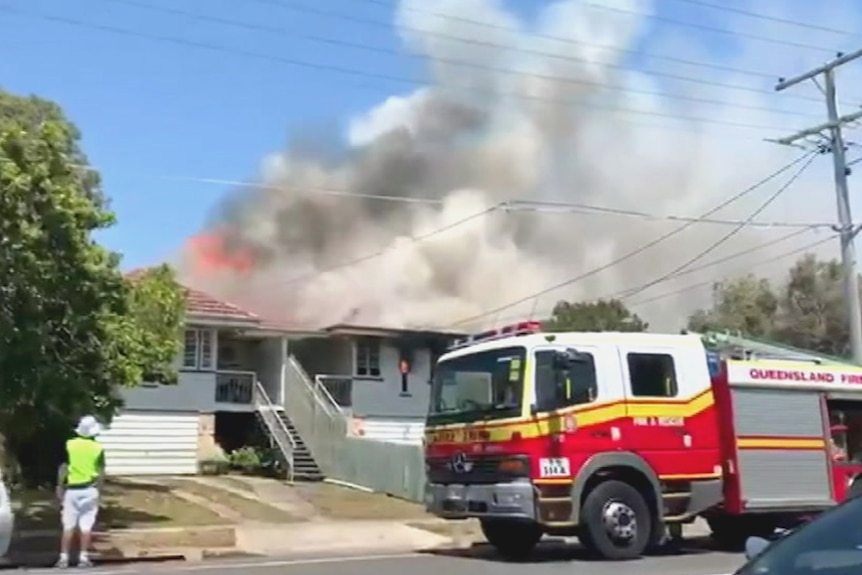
591,210
717,262
712,282
768,18
715,245
715,29
713,263
411,239
515,205
472,65
637,251
302,8
337,69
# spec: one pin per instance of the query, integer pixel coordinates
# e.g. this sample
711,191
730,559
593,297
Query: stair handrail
318,384
311,386
274,424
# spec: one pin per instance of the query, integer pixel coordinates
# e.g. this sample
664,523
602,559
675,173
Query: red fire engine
622,438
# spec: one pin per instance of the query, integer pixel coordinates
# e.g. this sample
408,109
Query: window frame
367,353
203,341
655,354
571,403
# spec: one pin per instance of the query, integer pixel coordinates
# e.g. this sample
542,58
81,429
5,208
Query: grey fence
392,468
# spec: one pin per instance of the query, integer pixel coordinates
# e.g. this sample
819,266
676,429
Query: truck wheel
855,489
616,521
512,539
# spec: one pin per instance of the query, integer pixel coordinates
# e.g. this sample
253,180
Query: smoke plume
554,110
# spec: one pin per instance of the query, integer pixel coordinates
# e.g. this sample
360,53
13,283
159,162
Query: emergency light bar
522,328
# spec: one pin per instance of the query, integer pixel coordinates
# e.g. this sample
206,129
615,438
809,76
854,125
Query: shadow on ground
553,550
123,505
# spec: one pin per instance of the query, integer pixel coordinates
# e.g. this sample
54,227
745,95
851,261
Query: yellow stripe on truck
585,415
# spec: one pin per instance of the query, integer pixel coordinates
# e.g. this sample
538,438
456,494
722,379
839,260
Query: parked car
6,518
830,544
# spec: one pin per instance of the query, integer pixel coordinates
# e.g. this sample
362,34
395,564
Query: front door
671,425
580,409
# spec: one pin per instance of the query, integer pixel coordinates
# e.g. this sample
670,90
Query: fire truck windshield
478,386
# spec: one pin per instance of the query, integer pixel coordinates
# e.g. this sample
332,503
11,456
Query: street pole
846,229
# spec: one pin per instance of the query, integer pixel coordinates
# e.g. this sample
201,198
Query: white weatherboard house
239,372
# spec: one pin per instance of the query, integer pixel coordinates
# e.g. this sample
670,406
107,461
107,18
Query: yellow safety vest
85,464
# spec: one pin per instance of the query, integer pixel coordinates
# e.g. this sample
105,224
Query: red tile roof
199,302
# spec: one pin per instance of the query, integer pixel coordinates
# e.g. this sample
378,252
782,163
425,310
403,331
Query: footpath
194,518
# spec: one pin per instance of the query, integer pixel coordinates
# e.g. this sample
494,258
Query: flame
209,254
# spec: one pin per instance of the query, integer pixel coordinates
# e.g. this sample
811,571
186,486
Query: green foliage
600,315
72,328
807,310
246,459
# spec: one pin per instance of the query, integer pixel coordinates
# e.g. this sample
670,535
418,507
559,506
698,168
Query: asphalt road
551,560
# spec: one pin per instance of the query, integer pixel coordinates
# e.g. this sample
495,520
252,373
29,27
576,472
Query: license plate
554,467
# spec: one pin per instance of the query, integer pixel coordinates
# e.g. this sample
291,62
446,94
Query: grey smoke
474,137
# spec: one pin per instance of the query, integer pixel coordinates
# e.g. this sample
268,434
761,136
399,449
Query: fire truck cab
621,438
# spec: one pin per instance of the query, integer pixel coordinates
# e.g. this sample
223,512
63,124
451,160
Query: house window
198,348
652,375
368,357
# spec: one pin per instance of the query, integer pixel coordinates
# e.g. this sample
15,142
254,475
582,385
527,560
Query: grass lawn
338,502
248,508
124,505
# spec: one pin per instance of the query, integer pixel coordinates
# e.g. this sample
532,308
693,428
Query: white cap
88,427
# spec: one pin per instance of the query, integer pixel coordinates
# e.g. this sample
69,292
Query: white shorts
80,508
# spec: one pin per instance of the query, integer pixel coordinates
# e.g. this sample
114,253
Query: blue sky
153,110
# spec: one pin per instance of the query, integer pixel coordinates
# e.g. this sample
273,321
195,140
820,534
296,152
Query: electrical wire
490,26
539,206
711,264
302,8
637,251
338,69
411,239
715,245
459,62
723,260
592,210
714,29
712,282
768,18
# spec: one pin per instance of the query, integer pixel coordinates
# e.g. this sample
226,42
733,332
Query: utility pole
835,144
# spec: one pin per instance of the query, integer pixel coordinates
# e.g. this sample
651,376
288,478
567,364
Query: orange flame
210,255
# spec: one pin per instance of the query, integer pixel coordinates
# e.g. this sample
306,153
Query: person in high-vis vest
79,482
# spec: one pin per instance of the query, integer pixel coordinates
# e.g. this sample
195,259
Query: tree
813,313
600,315
73,329
747,305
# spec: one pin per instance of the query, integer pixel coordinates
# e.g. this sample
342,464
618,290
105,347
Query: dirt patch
336,502
235,483
248,508
124,505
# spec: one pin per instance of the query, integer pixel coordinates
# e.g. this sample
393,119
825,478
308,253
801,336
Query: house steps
305,468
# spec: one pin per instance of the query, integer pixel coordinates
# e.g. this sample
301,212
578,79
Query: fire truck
621,439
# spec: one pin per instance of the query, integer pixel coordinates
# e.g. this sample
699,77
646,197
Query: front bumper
516,500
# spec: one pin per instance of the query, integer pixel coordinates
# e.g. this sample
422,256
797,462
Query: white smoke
557,110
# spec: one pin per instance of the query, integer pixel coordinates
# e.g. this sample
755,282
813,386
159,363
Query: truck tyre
616,522
513,539
855,489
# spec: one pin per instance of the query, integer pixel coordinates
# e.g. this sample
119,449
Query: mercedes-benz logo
460,463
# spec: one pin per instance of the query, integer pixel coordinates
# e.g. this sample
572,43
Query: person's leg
69,517
88,506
